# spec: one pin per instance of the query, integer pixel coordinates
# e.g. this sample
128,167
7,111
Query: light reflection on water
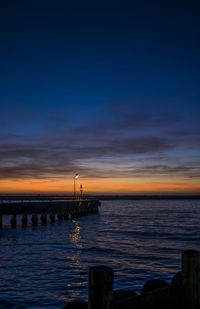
47,266
75,235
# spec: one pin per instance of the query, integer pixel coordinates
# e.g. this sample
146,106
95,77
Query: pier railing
55,208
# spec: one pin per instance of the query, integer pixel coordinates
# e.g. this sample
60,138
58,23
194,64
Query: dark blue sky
96,85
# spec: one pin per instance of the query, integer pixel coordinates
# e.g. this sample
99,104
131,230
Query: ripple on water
47,266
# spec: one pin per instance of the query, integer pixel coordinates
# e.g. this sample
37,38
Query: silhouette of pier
61,208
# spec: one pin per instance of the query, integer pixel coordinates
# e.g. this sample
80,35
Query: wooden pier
60,208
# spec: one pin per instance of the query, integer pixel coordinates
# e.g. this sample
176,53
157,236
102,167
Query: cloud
111,159
120,142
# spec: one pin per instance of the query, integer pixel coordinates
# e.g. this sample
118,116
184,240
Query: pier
39,207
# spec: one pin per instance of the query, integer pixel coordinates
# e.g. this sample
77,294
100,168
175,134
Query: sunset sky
106,89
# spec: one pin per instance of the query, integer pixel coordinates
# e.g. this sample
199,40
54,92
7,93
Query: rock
177,280
77,304
123,294
153,284
177,290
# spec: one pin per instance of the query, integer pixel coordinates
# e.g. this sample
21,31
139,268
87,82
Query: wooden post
34,219
191,278
60,215
100,292
24,220
13,220
52,217
72,214
1,221
89,207
75,213
43,218
66,215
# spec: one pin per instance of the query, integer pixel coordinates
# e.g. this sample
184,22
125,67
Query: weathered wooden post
66,215
191,278
13,220
43,218
1,221
100,291
89,207
24,220
34,219
52,217
72,214
60,215
75,213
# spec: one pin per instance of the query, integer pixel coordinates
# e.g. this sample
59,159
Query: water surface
47,266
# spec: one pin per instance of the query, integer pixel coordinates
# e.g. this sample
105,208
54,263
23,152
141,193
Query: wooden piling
100,291
1,221
66,215
24,220
35,208
13,220
43,218
72,213
34,219
60,215
52,217
78,214
191,278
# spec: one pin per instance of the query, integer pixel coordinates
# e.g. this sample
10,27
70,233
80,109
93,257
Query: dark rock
77,304
153,284
177,290
177,280
5,304
123,294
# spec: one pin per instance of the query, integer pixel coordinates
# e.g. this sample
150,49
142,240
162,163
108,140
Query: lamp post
81,191
75,177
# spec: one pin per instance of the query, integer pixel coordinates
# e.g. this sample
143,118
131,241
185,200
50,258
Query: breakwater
183,292
56,209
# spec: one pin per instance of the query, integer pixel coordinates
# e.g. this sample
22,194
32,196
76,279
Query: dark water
47,266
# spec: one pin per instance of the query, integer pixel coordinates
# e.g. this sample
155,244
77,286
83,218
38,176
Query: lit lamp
81,190
75,177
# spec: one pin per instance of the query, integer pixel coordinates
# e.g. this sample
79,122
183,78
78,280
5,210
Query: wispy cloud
119,143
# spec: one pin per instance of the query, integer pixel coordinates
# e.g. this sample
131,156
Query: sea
47,266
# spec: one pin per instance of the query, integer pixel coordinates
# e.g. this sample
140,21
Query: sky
106,89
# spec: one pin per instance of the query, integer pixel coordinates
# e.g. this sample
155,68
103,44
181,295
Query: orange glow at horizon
98,186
